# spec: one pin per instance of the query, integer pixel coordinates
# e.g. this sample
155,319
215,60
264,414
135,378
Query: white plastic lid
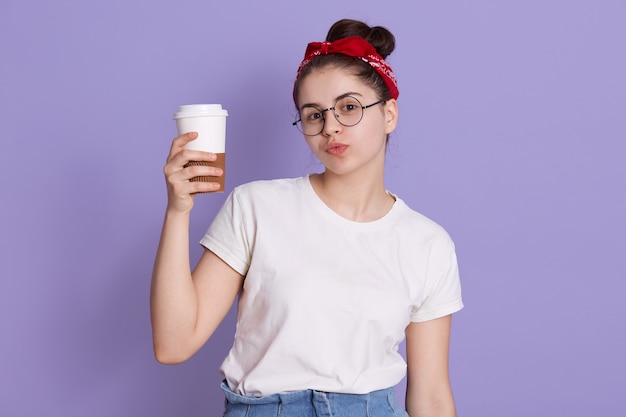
200,110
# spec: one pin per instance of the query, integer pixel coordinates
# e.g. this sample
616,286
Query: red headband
357,47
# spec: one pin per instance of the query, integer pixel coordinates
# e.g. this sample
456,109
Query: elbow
173,348
168,360
170,356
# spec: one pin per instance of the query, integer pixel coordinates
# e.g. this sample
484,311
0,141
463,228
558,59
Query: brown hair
379,37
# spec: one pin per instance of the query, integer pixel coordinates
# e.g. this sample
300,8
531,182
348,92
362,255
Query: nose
331,123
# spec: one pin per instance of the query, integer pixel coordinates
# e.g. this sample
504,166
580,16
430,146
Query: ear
391,115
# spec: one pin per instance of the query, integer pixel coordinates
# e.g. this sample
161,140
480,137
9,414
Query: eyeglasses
347,110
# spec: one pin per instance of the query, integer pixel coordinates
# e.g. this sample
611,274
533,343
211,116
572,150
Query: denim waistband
295,396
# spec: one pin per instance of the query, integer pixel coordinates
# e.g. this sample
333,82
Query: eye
314,116
348,105
310,114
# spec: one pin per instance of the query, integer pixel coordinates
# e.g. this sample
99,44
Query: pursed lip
336,148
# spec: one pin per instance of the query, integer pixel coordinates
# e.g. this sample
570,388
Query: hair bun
379,37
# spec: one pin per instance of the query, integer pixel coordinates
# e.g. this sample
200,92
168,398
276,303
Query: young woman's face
346,149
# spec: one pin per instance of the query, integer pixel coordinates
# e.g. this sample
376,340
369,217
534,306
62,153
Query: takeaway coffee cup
209,120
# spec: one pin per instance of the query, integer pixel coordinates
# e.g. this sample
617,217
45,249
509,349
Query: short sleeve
227,236
442,289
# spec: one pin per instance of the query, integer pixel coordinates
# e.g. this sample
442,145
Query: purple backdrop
511,135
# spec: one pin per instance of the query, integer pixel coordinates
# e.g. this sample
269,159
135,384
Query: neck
354,197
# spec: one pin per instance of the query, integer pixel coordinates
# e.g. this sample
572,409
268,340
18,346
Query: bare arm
428,391
186,307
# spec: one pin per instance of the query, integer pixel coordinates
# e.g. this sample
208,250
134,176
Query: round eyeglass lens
347,110
310,121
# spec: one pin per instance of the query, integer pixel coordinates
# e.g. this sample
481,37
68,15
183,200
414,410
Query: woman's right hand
180,190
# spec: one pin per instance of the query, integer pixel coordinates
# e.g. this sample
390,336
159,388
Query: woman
332,270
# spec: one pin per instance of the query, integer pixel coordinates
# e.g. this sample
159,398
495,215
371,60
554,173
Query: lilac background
512,136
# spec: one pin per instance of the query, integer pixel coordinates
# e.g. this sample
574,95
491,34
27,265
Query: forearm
428,391
443,408
173,299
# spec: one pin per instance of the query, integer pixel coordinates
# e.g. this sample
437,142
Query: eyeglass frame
322,111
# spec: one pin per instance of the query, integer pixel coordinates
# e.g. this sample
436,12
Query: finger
186,188
195,155
181,194
180,189
204,186
202,171
180,141
185,138
176,175
181,160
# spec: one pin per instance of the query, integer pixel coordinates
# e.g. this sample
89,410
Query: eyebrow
344,95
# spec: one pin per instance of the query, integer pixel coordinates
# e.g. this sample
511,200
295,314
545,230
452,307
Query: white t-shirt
326,300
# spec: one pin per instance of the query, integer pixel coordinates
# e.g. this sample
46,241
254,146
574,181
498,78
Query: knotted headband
357,47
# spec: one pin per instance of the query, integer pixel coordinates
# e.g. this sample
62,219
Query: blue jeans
311,403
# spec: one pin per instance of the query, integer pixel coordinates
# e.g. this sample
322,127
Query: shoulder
416,221
420,234
281,185
269,193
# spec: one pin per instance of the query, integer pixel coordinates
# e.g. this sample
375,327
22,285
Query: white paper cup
209,120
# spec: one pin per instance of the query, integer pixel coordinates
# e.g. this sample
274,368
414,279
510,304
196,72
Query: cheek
375,125
312,142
